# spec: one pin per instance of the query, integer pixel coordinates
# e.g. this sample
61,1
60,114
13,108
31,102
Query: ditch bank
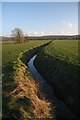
61,110
63,77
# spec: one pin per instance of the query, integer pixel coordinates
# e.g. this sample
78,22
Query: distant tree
18,35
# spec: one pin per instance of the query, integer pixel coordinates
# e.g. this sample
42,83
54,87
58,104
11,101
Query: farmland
59,61
18,84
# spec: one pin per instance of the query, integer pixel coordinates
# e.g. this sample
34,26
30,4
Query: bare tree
17,33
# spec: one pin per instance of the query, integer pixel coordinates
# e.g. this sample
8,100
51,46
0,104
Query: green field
10,54
10,51
59,61
64,50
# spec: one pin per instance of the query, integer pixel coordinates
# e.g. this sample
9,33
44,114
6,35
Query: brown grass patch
26,92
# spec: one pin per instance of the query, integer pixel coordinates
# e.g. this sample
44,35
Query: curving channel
61,109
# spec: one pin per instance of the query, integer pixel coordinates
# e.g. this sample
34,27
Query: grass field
64,50
10,51
13,76
59,61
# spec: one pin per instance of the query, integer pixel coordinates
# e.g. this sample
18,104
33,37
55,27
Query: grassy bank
20,91
59,62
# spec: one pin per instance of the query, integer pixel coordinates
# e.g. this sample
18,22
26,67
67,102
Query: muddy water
62,111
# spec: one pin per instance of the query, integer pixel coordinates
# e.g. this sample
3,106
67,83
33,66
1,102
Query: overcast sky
40,18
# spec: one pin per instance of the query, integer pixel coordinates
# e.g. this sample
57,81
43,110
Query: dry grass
28,88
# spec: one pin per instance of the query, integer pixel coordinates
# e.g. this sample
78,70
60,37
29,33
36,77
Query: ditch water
61,109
